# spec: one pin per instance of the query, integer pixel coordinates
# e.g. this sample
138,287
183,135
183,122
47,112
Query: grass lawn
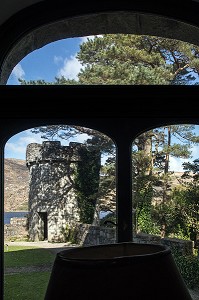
18,256
26,286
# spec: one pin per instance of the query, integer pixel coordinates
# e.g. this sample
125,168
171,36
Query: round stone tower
52,197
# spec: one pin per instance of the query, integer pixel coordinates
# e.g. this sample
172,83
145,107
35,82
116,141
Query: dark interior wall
120,112
38,25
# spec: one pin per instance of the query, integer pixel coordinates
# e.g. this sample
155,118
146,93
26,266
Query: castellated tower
52,196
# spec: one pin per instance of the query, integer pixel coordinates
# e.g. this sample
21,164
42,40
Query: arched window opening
62,179
110,59
119,22
165,180
165,191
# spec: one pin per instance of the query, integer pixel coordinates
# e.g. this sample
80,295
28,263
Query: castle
53,201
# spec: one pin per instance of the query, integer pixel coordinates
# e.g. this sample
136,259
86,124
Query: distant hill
15,185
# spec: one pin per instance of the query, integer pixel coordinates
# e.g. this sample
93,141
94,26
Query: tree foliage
151,162
126,59
87,184
136,59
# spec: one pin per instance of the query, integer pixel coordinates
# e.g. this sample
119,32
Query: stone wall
89,235
17,229
184,247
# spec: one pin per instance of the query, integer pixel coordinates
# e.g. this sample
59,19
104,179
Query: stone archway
93,24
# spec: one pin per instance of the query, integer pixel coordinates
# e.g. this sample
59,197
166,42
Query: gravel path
53,247
28,269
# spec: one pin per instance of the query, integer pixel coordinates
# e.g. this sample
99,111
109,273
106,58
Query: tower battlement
50,151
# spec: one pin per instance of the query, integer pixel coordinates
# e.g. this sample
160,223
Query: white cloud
91,37
176,164
18,72
16,148
71,66
70,69
85,38
80,138
195,152
16,145
58,59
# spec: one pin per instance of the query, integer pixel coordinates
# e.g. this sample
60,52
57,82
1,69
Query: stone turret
52,197
51,151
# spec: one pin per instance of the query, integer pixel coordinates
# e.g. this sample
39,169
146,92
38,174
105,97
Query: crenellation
33,153
50,151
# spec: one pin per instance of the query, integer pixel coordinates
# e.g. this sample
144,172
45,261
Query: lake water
12,214
21,214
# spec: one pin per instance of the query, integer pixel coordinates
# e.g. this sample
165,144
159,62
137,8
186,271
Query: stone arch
97,23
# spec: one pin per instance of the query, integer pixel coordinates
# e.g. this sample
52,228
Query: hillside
15,185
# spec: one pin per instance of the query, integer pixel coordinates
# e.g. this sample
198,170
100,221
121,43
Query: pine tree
127,59
136,60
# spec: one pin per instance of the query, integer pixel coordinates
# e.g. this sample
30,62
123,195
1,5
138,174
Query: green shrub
70,234
189,268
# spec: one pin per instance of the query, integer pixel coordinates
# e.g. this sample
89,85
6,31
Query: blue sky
53,60
16,147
